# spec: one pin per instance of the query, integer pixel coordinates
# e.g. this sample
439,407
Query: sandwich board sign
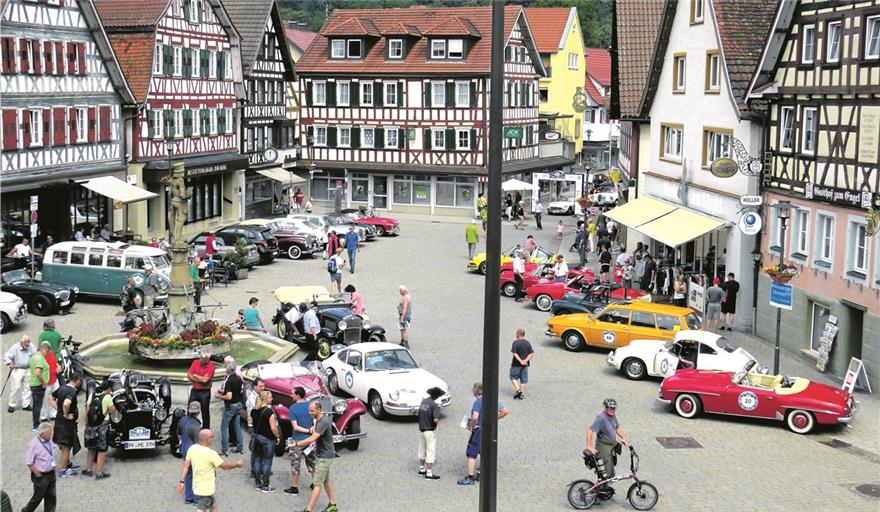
856,375
826,340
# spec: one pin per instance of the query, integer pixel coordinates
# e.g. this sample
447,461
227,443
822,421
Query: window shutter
26,127
48,54
25,63
427,86
378,94
70,49
60,127
203,68
473,139
354,89
401,138
92,126
59,58
187,62
400,102
47,127
10,129
38,57
205,121
379,138
221,120
331,137
151,123
428,142
310,134
198,8
331,94
167,60
187,123
473,99
221,65
167,124
355,137
450,94
507,53
450,139
81,53
308,102
71,125
7,60
186,9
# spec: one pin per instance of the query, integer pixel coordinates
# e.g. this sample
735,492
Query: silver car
340,229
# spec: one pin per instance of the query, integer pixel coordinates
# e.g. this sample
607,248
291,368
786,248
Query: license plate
139,445
65,303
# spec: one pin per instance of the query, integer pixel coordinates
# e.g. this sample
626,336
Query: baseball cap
194,407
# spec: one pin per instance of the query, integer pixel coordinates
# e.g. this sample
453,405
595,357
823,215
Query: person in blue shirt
251,314
301,423
351,244
476,421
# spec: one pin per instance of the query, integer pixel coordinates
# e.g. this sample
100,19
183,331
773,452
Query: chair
219,274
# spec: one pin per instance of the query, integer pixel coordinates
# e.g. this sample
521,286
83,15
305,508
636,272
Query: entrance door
379,197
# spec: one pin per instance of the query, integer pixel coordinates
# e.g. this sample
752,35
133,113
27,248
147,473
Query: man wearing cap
608,432
153,285
40,460
38,369
201,373
16,358
95,434
230,393
188,432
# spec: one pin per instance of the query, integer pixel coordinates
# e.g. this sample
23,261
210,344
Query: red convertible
383,225
801,404
535,273
545,291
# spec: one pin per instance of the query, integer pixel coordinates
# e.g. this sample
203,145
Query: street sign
750,223
751,200
35,202
513,132
781,295
34,230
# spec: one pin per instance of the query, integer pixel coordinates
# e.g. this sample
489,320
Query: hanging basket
780,278
783,273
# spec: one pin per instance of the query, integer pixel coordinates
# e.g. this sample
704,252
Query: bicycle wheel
580,496
642,496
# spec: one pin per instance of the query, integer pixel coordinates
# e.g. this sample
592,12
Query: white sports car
385,376
12,311
563,207
688,349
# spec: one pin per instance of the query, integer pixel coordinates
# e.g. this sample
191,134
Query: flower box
209,336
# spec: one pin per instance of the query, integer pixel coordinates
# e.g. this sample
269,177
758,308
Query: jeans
37,395
472,247
518,280
231,413
202,396
44,491
351,255
538,220
582,252
262,460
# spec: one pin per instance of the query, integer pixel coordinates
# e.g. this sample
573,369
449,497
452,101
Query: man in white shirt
622,257
519,269
560,269
22,250
293,315
336,277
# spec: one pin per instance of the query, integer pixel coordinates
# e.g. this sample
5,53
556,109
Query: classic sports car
383,225
142,410
385,375
795,400
561,207
538,255
545,291
534,274
282,378
42,298
595,298
688,349
12,311
340,228
607,197
292,242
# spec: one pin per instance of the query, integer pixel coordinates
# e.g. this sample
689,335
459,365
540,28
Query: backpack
95,416
331,265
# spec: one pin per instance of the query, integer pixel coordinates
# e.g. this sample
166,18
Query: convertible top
297,294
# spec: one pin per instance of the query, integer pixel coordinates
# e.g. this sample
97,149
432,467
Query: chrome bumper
550,333
847,419
342,438
661,399
610,359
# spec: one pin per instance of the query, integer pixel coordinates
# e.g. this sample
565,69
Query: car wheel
377,409
281,330
41,305
483,268
323,351
5,324
333,382
380,231
353,427
634,368
688,405
800,421
544,302
294,252
509,289
377,338
573,341
570,211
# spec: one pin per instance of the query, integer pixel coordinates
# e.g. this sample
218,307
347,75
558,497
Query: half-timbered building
266,133
63,94
182,61
819,80
394,106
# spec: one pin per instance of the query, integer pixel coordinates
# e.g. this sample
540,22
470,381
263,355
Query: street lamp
783,213
756,258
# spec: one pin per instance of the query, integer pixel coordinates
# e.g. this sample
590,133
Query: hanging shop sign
841,196
751,201
724,168
750,223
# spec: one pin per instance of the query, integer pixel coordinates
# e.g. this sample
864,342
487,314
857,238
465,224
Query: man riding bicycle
608,433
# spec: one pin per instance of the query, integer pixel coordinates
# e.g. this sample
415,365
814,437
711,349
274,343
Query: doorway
379,197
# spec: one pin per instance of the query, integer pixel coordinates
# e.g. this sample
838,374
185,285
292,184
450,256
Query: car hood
571,319
416,382
311,383
9,298
40,285
560,204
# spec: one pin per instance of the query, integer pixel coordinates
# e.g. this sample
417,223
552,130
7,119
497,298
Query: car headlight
57,295
394,395
116,417
342,325
366,324
161,414
340,406
76,289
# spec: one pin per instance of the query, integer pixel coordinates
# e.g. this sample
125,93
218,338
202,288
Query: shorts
428,446
296,459
473,446
322,471
713,311
728,308
605,268
95,438
403,325
520,373
205,502
65,433
336,277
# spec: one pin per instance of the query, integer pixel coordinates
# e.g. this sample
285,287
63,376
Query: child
560,230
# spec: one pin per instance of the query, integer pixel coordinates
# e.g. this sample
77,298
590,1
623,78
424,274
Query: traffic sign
34,217
513,132
781,295
35,201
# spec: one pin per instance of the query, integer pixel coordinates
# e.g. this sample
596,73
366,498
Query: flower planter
188,353
781,278
241,273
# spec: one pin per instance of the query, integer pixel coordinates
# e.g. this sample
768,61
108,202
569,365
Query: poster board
826,342
856,375
696,296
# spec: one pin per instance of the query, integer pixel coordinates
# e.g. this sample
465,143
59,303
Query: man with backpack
97,424
188,433
334,267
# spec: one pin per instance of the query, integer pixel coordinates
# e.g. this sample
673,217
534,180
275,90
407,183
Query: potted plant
238,257
782,273
209,336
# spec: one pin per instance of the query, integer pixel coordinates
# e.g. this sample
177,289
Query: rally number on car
748,401
349,379
664,366
608,338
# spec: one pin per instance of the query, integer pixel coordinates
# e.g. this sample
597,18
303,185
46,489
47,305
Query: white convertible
561,207
385,376
688,349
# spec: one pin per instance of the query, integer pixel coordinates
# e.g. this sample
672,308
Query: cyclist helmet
610,403
49,325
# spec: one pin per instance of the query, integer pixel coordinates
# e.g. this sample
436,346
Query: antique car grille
135,421
326,405
352,333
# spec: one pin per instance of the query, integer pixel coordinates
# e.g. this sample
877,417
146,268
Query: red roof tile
638,22
422,19
134,51
548,26
594,93
598,62
399,29
130,13
453,26
302,39
351,27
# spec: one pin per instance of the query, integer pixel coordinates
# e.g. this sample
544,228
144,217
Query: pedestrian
252,320
679,292
131,298
608,433
560,269
230,393
265,438
65,435
649,275
311,325
325,452
47,411
538,210
332,242
508,206
51,335
474,423
16,358
196,282
334,266
404,313
204,463
49,242
38,372
591,234
429,418
153,284
97,426
728,304
529,245
188,434
357,300
210,245
611,227
580,242
521,215
201,374
40,460
252,398
560,230
605,262
301,423
519,269
622,257
519,366
714,296
639,267
628,274
471,236
21,251
298,198
351,245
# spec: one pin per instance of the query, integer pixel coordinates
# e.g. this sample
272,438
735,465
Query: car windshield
724,345
159,262
278,371
393,359
693,321
741,374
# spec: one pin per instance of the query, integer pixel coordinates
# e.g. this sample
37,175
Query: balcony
561,147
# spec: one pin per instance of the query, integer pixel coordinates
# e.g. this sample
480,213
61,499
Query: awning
679,227
640,211
116,189
515,184
282,175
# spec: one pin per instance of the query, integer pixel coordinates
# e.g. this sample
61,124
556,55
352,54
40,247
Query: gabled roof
594,93
477,20
598,63
134,50
105,49
250,18
454,26
351,27
775,42
399,29
302,39
636,28
658,55
129,14
550,26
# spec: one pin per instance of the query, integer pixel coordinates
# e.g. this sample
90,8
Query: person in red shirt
210,246
201,373
47,412
332,243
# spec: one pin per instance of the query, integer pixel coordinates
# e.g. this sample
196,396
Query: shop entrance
379,188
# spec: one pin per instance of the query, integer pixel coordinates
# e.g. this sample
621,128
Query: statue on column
179,199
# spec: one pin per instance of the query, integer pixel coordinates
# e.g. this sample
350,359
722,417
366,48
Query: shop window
410,189
360,187
820,316
205,202
457,192
324,184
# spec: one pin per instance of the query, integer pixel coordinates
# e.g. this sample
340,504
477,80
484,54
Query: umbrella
515,184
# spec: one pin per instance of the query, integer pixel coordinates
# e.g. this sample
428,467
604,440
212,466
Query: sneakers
10,409
267,489
224,454
293,491
67,474
423,472
28,408
101,476
86,472
518,395
331,508
74,467
468,480
432,477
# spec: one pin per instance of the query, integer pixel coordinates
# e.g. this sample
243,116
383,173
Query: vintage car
384,225
260,236
534,274
687,349
545,291
340,227
385,376
607,197
197,248
143,411
339,326
618,324
12,311
561,207
801,404
292,241
42,298
538,255
282,378
594,298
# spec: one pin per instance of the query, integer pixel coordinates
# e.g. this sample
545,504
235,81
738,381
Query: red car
534,274
545,291
383,225
282,378
801,404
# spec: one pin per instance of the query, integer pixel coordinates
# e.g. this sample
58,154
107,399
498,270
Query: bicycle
583,494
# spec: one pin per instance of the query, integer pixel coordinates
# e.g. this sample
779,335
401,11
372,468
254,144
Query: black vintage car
143,418
591,300
339,326
41,298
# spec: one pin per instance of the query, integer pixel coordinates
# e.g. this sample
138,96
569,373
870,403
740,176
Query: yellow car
618,324
539,255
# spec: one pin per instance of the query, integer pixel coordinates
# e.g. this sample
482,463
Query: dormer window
395,49
337,49
456,49
447,49
346,49
438,49
355,49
